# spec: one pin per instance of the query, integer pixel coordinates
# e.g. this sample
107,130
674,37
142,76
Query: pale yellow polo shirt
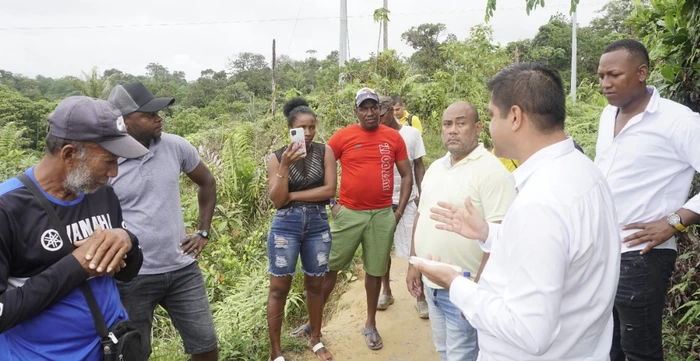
480,175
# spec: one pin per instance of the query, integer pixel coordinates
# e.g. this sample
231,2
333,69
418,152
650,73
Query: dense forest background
227,113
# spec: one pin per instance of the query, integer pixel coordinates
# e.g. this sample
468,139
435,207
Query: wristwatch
203,233
674,220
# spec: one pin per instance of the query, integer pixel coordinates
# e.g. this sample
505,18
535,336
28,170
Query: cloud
193,36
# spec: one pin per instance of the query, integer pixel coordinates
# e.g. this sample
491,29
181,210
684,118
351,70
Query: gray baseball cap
385,103
86,119
135,97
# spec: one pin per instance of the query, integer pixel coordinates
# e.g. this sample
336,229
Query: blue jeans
299,231
454,338
183,294
639,305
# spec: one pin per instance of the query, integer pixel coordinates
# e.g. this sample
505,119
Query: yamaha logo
51,240
120,124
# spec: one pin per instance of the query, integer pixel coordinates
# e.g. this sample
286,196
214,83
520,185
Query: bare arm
201,175
404,168
419,171
413,276
279,186
330,181
484,259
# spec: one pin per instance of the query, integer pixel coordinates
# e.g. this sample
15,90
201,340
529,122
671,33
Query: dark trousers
639,305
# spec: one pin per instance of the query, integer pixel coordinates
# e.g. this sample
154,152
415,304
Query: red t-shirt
367,159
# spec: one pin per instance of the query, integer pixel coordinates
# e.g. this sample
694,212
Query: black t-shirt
39,277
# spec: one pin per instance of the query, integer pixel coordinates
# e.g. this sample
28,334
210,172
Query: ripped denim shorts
299,231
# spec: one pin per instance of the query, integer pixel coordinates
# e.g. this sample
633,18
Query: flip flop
317,348
384,302
374,345
305,329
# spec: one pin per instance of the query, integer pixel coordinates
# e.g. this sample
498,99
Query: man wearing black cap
43,313
149,191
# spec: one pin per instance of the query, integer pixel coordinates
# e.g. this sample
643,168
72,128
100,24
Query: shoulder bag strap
61,229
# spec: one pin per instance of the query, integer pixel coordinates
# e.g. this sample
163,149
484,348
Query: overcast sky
64,37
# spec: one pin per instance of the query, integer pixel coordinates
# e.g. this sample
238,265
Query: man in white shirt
548,288
467,170
404,229
648,150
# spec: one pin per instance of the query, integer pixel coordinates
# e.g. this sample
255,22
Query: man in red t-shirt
367,153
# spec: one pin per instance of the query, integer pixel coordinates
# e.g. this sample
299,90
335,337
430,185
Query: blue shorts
299,231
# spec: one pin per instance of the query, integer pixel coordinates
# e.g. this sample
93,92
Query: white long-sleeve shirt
650,164
548,288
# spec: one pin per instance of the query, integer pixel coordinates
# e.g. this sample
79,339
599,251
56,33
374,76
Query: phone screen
297,135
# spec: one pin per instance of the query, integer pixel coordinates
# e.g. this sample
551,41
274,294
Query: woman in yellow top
510,164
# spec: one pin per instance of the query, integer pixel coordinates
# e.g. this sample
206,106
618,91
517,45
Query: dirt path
406,337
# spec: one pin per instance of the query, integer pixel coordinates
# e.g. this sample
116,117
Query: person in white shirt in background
548,288
648,149
404,229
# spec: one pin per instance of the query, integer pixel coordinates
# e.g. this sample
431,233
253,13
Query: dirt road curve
406,337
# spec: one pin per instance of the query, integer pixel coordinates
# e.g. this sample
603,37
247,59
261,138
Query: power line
227,22
295,26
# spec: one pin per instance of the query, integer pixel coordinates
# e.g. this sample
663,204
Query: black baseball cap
135,97
86,119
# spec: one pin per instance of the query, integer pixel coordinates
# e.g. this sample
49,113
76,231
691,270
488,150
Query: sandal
317,348
374,343
384,302
303,331
422,308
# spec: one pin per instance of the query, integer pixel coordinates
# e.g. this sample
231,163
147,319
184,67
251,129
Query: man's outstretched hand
466,221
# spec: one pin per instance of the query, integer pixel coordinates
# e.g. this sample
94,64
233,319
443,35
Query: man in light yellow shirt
467,170
404,117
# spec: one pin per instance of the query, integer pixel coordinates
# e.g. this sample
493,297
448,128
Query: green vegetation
227,115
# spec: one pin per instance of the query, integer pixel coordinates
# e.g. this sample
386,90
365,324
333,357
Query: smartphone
297,135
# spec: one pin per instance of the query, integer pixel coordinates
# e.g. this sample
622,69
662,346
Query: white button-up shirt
548,288
650,164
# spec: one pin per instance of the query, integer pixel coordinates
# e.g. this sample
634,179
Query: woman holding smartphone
301,184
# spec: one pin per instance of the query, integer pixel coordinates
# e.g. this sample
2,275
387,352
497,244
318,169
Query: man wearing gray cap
149,191
43,313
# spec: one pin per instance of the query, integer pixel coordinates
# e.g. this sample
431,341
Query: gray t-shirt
149,193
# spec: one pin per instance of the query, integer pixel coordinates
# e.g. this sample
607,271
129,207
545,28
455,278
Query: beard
80,180
463,149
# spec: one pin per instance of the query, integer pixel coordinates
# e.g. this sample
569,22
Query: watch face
204,234
674,219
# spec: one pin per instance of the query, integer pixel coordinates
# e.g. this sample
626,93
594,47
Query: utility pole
386,26
343,46
573,58
274,82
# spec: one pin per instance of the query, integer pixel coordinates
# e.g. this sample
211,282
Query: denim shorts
299,231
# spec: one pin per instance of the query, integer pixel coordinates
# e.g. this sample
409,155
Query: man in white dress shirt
648,151
548,288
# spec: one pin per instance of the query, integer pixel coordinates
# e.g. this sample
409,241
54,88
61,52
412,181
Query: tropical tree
93,85
380,16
